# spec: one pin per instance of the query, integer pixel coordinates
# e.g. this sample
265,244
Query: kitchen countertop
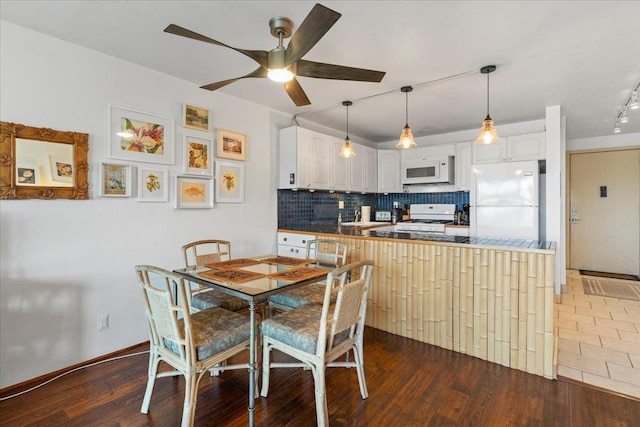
372,232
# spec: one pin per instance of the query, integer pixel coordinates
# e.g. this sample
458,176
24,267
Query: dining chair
328,254
318,335
203,252
191,343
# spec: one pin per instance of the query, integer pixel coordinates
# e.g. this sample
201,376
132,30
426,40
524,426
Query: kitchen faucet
357,216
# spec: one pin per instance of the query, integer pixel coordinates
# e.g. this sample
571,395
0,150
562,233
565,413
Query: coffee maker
464,219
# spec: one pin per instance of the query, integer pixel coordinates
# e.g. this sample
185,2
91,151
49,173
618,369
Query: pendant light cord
406,109
488,94
347,121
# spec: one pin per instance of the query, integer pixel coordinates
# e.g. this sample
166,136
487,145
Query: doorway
604,211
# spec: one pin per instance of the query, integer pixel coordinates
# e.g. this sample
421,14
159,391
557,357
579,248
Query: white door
604,224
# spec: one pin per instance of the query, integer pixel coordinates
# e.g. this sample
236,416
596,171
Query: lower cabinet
293,245
494,304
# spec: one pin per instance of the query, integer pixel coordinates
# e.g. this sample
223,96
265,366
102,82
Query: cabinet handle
304,242
297,251
285,239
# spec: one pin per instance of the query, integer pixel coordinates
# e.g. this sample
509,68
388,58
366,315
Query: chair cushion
298,328
213,298
304,295
215,330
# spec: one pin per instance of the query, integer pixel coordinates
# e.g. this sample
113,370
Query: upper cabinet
309,160
463,166
389,173
511,149
294,158
363,170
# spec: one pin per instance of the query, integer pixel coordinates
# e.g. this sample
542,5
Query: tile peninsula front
488,298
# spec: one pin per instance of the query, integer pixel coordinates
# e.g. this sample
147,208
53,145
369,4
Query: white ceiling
582,55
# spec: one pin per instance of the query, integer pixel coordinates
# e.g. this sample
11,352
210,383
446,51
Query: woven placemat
231,276
288,261
232,263
612,289
298,274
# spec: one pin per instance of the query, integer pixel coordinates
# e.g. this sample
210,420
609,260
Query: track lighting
616,128
347,148
623,117
634,100
488,134
406,137
630,104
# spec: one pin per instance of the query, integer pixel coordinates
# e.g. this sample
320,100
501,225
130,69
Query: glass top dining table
254,280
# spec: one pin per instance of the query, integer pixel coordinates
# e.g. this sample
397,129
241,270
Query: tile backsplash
301,208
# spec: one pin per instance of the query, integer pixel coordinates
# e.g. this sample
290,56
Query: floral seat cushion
215,330
213,298
298,328
304,295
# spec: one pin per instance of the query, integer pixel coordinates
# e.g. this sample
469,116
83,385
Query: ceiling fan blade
321,70
258,72
260,56
314,26
296,93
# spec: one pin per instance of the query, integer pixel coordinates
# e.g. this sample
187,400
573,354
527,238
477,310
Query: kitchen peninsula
488,298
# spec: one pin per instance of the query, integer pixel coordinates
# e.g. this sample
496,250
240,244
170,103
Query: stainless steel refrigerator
504,200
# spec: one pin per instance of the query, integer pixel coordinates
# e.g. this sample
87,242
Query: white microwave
429,170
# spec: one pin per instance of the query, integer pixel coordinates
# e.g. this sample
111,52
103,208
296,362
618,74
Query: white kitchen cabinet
309,160
294,157
363,169
389,173
293,245
320,153
339,167
463,166
511,149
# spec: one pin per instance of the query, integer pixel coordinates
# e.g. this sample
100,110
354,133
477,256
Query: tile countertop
372,232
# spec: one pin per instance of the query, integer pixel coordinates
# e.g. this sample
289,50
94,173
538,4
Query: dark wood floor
410,384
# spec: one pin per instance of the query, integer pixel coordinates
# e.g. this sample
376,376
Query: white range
428,218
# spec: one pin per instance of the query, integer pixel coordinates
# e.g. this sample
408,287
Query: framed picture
27,175
229,182
231,145
193,192
153,185
115,180
139,137
197,156
61,169
195,118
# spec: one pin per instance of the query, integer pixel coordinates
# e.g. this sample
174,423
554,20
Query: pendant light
406,138
347,149
488,134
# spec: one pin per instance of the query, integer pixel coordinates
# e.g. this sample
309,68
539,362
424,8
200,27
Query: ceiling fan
284,64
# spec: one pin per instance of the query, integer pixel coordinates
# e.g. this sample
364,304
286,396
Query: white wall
610,141
64,262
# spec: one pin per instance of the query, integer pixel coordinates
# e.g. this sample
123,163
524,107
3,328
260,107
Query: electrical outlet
103,322
341,204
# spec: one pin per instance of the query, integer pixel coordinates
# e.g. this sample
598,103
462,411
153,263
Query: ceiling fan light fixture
347,148
488,134
278,72
406,137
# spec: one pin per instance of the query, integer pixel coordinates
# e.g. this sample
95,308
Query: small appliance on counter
383,216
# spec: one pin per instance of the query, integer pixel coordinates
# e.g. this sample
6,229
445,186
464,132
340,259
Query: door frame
567,193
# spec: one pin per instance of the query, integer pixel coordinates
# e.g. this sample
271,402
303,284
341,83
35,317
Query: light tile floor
598,339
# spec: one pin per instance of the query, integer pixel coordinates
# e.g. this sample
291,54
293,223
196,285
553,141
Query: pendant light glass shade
488,134
406,137
347,148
